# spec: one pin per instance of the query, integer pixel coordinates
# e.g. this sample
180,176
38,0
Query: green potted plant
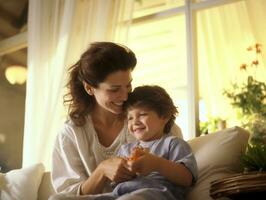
212,125
249,97
254,158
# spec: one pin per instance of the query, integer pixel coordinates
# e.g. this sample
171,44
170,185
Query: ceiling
13,21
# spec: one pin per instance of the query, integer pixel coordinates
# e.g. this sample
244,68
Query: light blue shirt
168,147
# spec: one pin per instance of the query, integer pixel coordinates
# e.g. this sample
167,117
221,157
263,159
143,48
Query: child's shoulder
174,140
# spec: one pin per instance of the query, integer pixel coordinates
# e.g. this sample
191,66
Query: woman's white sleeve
67,170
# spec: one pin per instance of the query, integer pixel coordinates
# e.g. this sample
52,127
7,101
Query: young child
165,164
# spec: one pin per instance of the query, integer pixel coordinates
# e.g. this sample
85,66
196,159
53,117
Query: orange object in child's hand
136,153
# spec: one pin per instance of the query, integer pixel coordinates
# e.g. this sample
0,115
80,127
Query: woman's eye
129,118
129,88
113,90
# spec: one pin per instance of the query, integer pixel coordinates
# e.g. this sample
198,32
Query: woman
99,84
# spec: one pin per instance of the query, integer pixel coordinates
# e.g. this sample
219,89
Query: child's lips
138,130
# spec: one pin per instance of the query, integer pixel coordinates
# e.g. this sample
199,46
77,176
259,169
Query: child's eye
129,118
143,114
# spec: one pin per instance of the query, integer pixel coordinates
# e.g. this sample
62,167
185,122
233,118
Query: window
193,47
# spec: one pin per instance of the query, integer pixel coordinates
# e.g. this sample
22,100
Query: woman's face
113,91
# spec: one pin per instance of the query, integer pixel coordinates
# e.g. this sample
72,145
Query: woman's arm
113,170
69,174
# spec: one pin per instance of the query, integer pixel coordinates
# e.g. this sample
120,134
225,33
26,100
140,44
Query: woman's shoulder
176,131
70,129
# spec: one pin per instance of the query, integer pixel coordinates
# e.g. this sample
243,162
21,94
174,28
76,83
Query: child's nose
136,120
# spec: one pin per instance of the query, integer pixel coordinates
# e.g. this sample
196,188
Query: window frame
189,10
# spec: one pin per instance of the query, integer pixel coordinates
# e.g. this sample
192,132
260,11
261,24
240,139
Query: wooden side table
242,186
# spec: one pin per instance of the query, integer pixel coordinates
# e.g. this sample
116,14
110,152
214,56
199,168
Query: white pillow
21,184
218,156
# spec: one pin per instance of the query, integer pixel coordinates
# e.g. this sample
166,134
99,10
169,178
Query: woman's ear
88,88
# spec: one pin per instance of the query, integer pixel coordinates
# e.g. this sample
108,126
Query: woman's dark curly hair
94,65
156,99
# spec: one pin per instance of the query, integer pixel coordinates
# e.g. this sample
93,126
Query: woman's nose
124,94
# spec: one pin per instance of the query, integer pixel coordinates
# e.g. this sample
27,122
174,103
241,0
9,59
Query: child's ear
88,88
166,118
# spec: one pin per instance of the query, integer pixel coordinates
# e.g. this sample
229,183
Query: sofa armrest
46,189
217,155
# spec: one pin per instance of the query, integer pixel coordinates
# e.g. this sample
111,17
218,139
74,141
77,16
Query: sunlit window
160,46
159,36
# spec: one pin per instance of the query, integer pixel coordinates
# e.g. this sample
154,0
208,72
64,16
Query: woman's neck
107,125
105,117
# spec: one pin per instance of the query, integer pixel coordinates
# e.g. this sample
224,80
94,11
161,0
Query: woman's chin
116,111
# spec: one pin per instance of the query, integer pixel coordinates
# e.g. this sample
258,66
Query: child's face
145,124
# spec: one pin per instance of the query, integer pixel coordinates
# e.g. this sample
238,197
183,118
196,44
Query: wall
12,107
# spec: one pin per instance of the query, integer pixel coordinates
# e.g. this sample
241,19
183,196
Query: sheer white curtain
224,33
58,32
257,15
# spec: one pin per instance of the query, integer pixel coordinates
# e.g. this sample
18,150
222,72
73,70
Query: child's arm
174,172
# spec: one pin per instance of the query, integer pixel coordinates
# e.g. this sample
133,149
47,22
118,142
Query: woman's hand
114,169
145,164
117,170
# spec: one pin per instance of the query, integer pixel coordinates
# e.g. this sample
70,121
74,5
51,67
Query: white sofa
45,188
217,156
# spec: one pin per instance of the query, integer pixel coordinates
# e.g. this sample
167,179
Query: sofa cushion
46,189
218,156
21,184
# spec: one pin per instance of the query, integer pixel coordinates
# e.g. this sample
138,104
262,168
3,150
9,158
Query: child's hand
137,152
144,164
